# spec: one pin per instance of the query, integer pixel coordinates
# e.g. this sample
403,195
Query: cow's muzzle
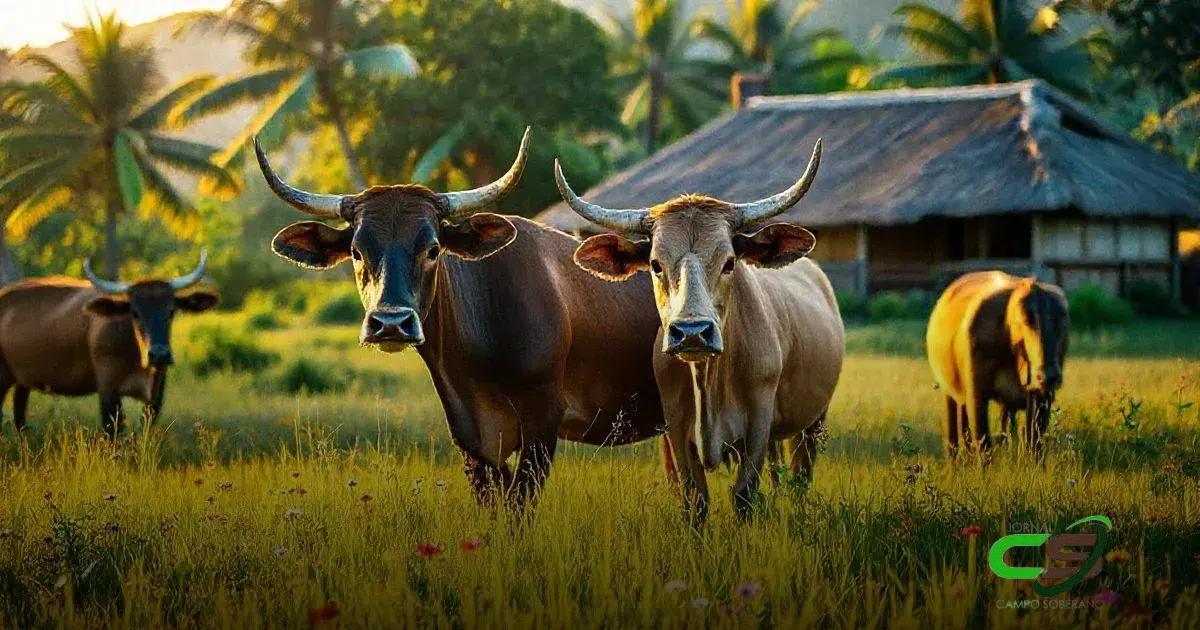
159,355
392,330
693,339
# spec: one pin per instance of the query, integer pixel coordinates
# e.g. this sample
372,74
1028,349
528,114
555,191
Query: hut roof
897,156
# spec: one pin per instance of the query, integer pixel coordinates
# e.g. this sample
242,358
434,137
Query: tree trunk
653,118
336,116
112,247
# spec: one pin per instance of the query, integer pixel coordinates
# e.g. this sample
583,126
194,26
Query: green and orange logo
1068,560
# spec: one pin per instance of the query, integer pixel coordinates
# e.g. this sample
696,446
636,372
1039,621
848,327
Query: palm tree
94,138
759,38
661,71
301,51
994,41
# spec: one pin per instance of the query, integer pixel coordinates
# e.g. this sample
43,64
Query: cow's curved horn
324,206
107,286
183,282
755,212
632,221
460,204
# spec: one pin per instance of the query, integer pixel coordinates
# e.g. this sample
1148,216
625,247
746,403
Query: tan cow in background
751,338
996,337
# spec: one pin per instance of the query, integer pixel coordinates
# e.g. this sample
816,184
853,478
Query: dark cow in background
752,340
523,349
64,336
996,337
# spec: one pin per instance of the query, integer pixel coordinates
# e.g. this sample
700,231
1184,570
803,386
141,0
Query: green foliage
893,305
289,49
758,37
1156,41
261,311
457,124
309,376
1093,305
1151,298
852,305
670,88
993,41
213,348
91,138
341,306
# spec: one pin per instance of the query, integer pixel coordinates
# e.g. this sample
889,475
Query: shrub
217,348
1151,298
1092,305
341,307
892,305
261,312
309,376
852,305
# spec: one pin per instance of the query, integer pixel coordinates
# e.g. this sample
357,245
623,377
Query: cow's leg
952,426
669,461
1008,423
487,480
111,414
977,415
753,459
693,484
775,460
154,404
540,417
20,405
804,451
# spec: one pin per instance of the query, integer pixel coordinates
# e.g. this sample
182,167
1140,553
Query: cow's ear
313,244
613,257
776,245
107,306
479,236
196,301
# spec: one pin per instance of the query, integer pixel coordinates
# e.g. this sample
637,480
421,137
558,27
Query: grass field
253,506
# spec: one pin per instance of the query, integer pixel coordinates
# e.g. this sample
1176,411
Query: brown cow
751,337
65,336
522,348
996,337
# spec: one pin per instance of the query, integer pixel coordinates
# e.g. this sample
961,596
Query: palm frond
388,61
932,21
129,179
295,97
163,203
437,153
26,216
930,44
63,82
961,73
157,113
36,140
235,92
194,158
23,183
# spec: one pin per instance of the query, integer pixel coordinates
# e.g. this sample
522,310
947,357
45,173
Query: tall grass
254,507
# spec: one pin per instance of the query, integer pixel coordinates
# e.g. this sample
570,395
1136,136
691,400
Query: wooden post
1036,253
863,267
1176,271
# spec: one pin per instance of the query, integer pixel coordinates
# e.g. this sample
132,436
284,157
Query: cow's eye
656,267
728,268
355,254
433,252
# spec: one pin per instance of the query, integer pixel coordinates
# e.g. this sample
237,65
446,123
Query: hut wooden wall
1108,252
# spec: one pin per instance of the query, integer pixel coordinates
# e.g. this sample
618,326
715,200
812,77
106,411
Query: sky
41,22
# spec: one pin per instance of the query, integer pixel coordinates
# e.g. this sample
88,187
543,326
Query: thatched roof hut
931,178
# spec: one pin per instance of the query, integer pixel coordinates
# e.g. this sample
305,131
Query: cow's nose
395,326
1053,380
693,336
160,354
